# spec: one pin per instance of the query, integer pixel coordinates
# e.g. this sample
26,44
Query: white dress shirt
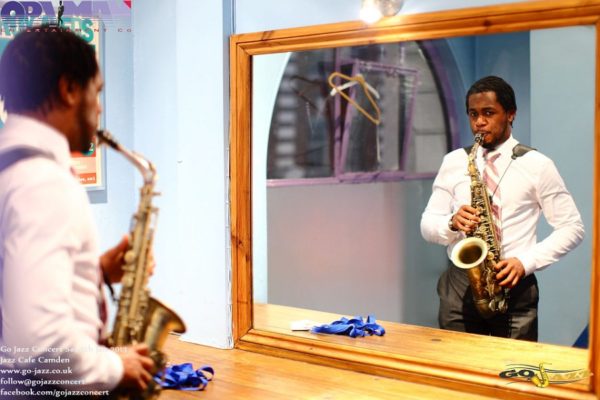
49,265
529,185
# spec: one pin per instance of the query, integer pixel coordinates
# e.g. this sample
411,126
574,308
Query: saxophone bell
472,254
469,253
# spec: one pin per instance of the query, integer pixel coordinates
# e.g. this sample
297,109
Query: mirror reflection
347,142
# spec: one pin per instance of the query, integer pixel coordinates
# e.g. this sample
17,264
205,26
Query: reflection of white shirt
531,184
49,272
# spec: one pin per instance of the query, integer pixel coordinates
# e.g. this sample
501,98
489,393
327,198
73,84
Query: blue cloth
184,377
582,340
354,327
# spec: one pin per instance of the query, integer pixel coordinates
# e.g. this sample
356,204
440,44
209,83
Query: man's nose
480,121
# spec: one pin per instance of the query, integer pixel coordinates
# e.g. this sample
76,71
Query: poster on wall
90,165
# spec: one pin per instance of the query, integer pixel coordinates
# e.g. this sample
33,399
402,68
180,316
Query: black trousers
457,310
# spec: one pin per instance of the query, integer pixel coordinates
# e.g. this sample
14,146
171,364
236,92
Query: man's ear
69,92
511,116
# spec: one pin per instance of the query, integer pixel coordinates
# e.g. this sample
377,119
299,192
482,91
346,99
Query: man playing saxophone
521,184
51,271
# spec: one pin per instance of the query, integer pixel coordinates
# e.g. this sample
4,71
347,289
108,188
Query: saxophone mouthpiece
479,137
105,137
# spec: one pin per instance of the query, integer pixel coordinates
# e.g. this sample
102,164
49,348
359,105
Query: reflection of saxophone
480,251
141,318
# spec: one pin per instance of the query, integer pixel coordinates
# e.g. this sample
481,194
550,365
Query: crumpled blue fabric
355,327
184,377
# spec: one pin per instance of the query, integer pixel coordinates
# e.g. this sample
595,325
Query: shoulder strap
520,150
15,155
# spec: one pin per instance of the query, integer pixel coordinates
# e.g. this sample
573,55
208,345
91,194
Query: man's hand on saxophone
509,272
113,259
137,364
465,219
137,367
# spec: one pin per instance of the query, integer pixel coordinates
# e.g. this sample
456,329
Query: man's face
487,116
88,114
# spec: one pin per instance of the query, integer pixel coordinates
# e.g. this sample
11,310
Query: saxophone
141,318
479,252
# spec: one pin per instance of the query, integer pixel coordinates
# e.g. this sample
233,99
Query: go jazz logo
541,376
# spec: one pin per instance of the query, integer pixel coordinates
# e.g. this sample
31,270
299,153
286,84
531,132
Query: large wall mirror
328,188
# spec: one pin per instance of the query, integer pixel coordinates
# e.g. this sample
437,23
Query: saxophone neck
143,165
147,170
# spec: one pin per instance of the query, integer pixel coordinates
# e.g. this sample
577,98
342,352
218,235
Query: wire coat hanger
359,79
349,84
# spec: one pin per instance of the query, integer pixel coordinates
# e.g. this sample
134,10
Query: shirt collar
22,131
504,149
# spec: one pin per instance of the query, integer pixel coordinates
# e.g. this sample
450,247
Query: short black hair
504,92
35,60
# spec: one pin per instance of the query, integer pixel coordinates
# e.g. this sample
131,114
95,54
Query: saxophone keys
129,257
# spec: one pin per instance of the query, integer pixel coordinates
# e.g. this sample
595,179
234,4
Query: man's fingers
506,281
466,224
511,279
147,363
141,348
501,278
501,271
125,240
146,376
143,385
514,282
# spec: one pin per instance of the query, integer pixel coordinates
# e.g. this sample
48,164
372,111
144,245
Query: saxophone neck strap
184,377
16,154
355,327
520,150
517,151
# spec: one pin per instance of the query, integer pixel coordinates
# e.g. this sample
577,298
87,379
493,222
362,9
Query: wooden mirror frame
462,22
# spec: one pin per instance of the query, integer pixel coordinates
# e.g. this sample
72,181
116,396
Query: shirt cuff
449,233
528,264
115,374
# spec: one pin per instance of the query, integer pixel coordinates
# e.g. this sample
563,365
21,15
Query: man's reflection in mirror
521,183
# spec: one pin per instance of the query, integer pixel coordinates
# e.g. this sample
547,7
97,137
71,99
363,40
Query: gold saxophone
141,318
479,252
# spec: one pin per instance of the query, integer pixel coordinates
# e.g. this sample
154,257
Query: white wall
263,15
180,111
113,206
562,127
